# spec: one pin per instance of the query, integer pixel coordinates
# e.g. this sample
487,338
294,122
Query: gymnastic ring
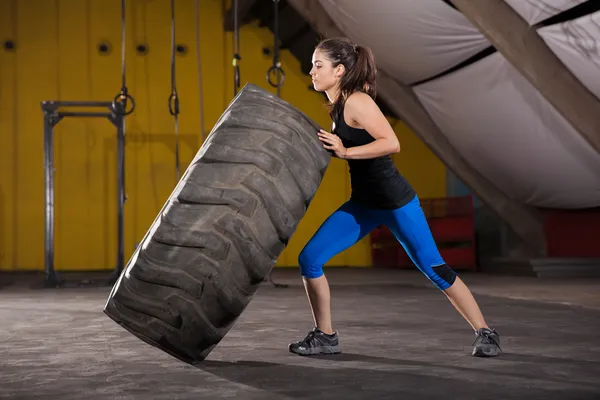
122,98
174,104
272,69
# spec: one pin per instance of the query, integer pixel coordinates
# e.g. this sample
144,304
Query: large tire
222,229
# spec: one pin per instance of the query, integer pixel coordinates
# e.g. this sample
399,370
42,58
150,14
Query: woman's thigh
409,225
342,229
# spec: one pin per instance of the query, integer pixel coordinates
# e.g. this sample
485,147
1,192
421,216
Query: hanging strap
123,96
199,64
276,66
236,49
173,97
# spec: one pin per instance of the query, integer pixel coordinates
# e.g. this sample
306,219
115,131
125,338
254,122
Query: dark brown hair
360,74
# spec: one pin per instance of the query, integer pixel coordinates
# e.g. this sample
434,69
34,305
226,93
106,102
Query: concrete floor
400,336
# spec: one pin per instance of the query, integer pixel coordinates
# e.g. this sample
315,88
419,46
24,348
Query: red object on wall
572,233
452,224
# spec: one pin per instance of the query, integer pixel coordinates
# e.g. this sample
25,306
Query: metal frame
52,116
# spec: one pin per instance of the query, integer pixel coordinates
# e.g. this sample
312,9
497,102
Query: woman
380,196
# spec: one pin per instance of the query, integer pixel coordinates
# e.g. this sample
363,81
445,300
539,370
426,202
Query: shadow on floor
504,357
413,379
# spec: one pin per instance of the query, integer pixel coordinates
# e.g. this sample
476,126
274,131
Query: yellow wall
56,59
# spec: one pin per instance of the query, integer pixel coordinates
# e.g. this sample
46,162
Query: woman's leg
346,226
410,227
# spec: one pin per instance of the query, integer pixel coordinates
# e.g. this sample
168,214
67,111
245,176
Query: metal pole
55,105
49,274
83,114
120,119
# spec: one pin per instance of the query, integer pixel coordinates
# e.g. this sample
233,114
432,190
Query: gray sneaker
316,342
487,343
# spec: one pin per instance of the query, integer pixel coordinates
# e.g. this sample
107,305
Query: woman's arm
361,109
364,112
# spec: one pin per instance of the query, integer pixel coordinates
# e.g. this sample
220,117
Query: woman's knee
309,267
442,276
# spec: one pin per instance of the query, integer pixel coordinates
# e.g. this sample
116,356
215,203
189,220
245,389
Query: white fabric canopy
577,44
511,134
490,113
534,11
412,39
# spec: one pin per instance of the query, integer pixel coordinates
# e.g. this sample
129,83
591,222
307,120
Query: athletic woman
380,196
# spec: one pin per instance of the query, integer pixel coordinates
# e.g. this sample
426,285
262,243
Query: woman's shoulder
360,105
358,100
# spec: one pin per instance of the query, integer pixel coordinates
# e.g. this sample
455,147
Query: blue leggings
352,222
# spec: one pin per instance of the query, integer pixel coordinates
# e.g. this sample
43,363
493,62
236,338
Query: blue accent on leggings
352,222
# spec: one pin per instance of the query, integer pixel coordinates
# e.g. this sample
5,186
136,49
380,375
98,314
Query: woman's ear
339,71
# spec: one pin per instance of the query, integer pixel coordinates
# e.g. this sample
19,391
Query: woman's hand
332,142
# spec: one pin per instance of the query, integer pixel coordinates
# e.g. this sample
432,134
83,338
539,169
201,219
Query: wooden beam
524,48
525,221
244,7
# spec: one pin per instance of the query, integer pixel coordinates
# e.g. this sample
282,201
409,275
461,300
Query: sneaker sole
317,350
490,351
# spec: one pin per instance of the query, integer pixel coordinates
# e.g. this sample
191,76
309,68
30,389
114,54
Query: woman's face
324,75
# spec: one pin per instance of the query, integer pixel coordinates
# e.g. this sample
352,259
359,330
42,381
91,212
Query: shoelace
487,338
309,338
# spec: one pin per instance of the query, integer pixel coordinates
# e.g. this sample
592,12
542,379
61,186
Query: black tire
223,227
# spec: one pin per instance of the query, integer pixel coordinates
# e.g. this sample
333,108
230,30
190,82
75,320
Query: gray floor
401,340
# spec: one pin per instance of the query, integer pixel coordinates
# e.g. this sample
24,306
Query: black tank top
376,183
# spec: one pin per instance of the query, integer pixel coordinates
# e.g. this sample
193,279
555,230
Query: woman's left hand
332,142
